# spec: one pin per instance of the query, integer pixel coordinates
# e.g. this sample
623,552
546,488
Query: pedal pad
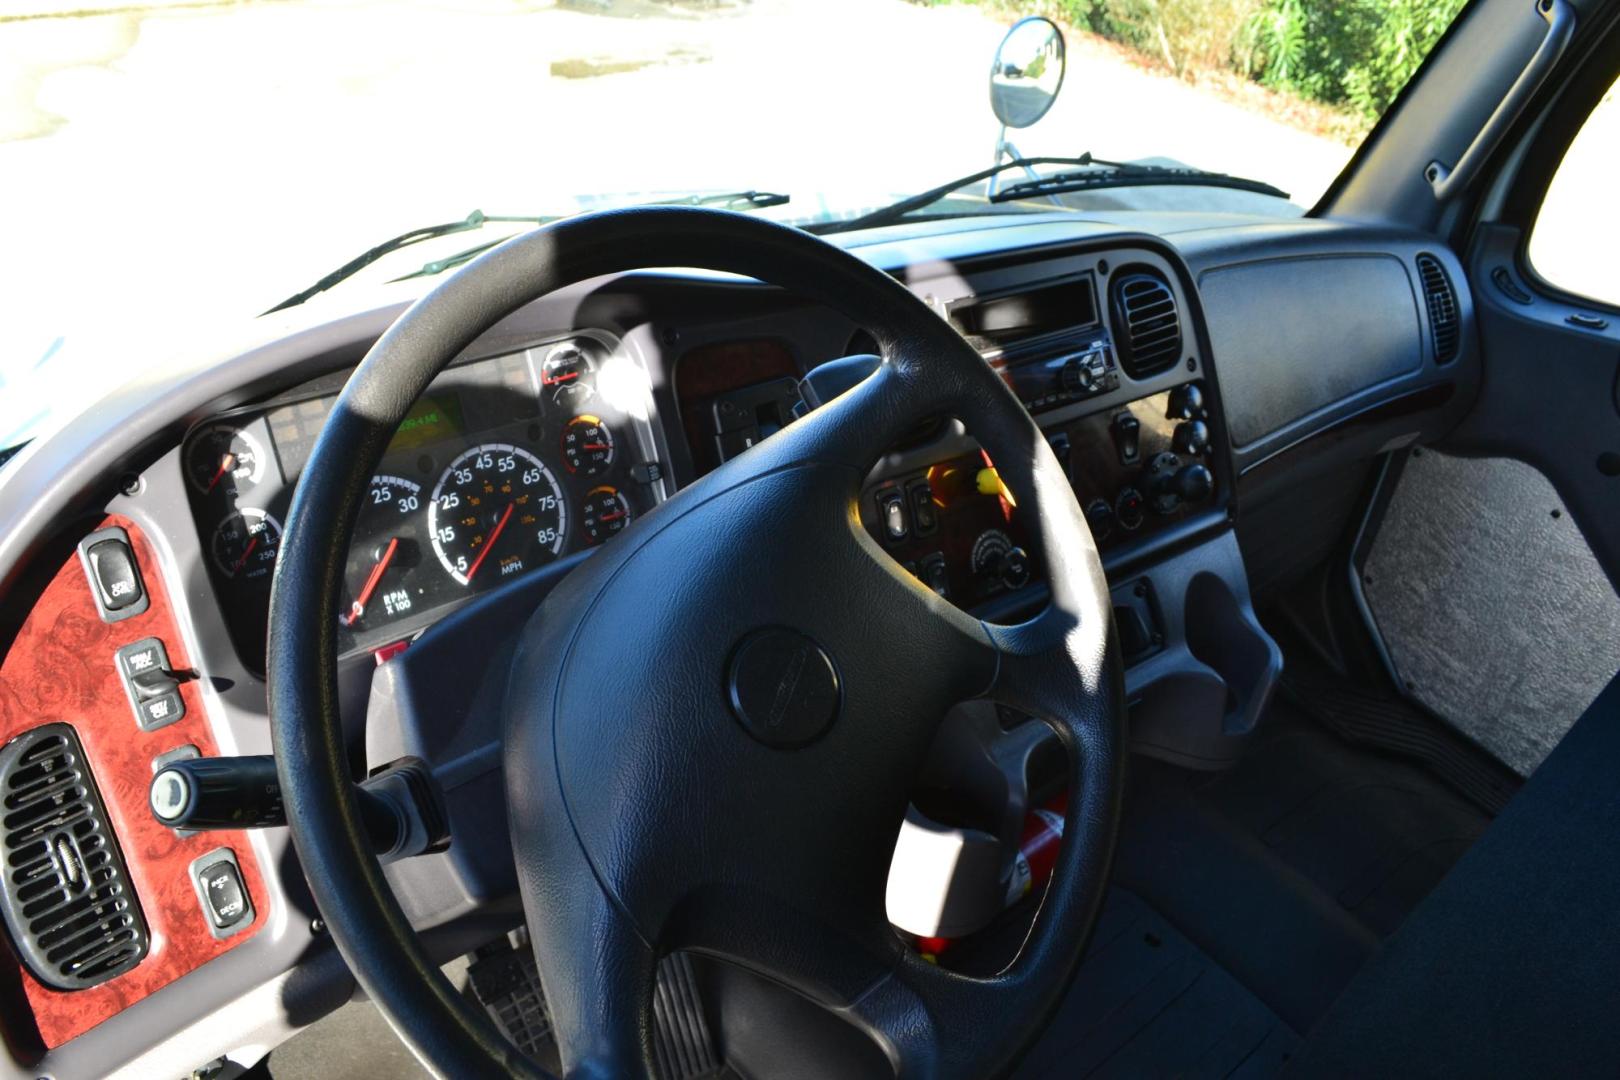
681,1038
506,982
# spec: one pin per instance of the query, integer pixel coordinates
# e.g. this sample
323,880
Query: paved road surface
162,172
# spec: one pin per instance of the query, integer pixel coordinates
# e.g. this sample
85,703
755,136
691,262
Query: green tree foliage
1355,54
1344,52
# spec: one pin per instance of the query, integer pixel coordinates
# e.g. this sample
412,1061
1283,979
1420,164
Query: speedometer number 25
495,512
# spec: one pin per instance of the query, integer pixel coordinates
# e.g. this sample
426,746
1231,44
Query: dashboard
1219,391
504,465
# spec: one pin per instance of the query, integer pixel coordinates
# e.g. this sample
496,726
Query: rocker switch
1127,431
152,687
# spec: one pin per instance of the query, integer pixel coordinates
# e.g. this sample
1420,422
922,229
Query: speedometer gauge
496,511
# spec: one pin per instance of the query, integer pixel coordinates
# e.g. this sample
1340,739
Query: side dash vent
67,898
1442,302
1146,322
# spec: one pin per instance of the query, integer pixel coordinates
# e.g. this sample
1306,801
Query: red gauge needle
370,586
562,378
489,544
225,464
253,543
594,446
615,516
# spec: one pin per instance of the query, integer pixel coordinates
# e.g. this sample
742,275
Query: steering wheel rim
600,922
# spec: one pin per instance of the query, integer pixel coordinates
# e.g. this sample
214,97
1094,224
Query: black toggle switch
1127,431
152,687
924,514
221,886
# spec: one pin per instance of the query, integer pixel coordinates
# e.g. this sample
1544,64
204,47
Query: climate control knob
1186,403
1190,438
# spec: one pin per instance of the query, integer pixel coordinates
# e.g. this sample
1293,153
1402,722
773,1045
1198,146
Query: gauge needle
565,377
615,516
494,535
253,543
225,464
370,586
594,446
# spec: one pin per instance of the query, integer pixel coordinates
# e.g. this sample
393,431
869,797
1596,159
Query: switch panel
226,905
115,577
152,687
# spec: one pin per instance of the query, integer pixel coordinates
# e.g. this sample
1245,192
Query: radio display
1004,320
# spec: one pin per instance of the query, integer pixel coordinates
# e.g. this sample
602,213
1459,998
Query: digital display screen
1007,319
432,419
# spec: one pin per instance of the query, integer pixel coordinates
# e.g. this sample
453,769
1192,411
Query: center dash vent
1442,301
1146,322
67,899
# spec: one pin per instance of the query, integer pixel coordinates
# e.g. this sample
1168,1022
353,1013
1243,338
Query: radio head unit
1048,342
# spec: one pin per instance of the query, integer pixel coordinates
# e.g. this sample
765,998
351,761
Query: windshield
171,167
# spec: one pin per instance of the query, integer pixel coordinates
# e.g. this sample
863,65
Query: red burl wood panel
60,668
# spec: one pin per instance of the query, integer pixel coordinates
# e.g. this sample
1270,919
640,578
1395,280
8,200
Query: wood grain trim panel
60,668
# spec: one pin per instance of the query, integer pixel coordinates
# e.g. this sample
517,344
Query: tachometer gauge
587,446
224,459
379,576
496,511
245,544
605,513
565,375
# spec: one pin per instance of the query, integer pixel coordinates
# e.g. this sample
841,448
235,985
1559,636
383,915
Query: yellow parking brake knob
990,483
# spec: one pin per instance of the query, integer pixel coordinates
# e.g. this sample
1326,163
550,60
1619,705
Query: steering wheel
713,724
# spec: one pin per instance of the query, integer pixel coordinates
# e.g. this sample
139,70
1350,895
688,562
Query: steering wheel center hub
783,686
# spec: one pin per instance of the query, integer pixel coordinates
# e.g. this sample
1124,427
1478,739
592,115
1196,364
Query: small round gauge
605,513
379,575
587,446
565,374
224,458
496,510
245,544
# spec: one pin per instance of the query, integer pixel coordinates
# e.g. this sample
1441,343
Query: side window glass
1578,230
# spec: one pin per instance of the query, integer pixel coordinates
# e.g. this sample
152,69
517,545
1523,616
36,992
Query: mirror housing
1028,72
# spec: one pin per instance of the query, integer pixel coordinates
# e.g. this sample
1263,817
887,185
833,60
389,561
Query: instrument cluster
502,466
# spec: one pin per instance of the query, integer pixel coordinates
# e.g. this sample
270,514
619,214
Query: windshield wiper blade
1101,173
895,211
475,220
725,200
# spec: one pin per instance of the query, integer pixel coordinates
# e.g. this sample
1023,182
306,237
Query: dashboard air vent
1442,301
1146,322
67,899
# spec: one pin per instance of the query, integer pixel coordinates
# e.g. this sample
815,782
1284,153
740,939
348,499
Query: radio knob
1075,377
1190,438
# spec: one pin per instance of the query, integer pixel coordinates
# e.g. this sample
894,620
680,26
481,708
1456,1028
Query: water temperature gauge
245,545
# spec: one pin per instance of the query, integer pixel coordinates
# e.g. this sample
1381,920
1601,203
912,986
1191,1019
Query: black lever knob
218,793
1190,438
1192,483
1186,403
400,806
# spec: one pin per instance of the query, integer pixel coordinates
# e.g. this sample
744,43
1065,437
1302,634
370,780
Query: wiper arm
888,215
1118,174
475,220
727,200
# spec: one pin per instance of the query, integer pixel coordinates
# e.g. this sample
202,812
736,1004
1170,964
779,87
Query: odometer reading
495,512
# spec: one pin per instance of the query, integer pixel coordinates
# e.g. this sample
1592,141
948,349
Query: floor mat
1289,869
1147,1002
1494,610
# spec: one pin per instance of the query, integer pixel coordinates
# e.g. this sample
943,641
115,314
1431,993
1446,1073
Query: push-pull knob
400,806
